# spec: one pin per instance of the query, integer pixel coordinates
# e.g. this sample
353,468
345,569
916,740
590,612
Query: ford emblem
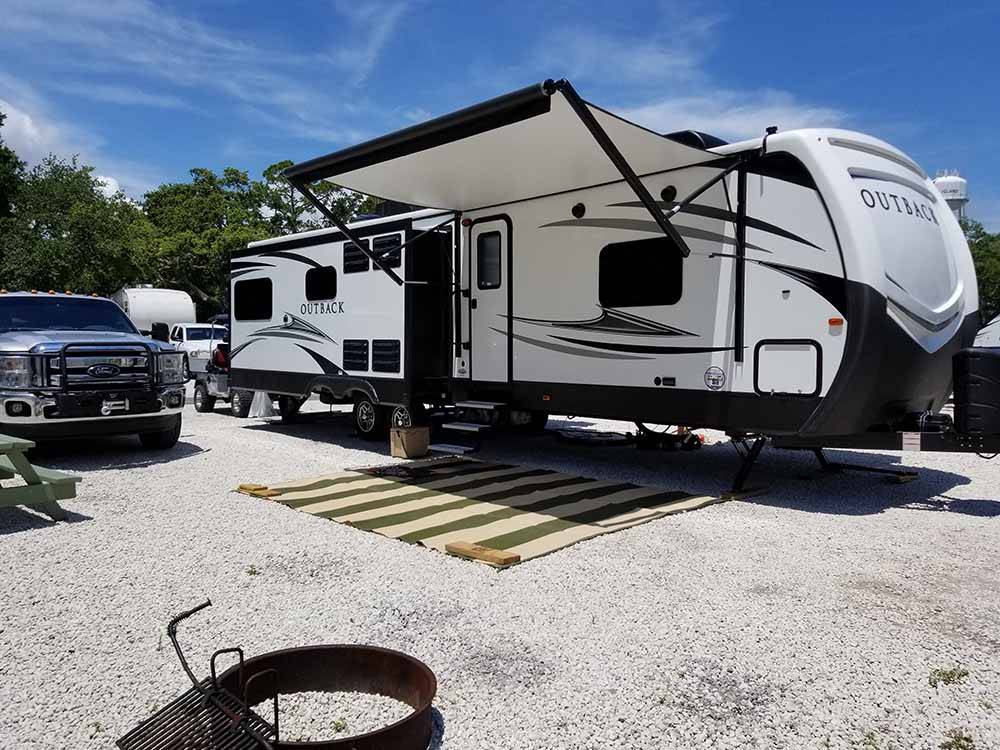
103,371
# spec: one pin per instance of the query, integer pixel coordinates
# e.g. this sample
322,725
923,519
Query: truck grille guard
69,375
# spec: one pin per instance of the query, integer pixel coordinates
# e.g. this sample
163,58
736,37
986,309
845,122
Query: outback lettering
321,308
874,198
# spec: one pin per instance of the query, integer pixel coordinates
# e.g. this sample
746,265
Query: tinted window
387,251
355,261
252,299
206,334
321,283
640,273
49,313
488,256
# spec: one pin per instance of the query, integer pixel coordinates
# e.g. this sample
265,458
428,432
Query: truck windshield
207,334
62,314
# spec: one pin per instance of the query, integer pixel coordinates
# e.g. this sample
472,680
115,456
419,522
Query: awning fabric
522,145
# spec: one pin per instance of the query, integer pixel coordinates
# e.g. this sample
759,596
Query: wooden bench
42,488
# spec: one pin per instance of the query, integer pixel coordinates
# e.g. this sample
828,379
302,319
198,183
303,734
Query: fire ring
343,668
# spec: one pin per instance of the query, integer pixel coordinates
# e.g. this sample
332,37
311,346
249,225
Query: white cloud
109,185
125,95
373,23
34,131
138,39
733,115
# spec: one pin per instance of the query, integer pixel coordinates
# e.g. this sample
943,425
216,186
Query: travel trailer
989,335
810,285
145,305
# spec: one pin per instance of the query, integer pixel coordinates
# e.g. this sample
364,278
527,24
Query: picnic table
42,487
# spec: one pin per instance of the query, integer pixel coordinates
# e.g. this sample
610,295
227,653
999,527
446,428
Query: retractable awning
540,140
532,142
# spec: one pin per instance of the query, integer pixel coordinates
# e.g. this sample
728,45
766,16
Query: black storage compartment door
977,391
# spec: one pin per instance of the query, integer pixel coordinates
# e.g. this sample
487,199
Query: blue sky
145,91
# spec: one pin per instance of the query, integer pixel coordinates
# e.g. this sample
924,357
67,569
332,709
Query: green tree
290,212
985,249
65,233
11,175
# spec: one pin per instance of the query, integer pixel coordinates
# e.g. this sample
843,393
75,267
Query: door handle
473,303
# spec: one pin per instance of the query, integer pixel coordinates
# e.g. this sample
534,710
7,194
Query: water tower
955,190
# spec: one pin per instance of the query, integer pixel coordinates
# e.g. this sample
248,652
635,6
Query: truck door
488,300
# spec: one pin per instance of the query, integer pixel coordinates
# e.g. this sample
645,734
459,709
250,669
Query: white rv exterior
989,335
826,289
145,305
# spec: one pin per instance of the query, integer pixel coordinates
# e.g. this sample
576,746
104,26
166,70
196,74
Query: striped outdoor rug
447,504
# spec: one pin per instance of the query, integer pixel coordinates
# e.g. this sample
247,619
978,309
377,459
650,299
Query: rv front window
641,273
252,299
321,283
488,260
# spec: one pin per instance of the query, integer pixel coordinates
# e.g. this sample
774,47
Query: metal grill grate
197,720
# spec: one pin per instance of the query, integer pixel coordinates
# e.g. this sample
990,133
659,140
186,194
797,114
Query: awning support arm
681,205
345,230
424,233
621,164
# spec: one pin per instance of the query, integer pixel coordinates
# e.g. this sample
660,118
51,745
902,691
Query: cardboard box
409,442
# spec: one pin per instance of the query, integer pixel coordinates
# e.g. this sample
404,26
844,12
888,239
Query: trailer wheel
370,420
536,425
288,407
239,403
202,401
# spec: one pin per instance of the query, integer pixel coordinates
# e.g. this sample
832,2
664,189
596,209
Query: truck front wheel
162,439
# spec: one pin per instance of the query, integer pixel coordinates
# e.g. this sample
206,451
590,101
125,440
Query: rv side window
488,260
355,261
321,283
640,273
252,299
387,251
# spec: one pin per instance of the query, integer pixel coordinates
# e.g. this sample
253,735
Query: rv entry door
488,300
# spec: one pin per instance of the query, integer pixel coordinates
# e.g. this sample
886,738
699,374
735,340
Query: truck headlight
170,371
15,372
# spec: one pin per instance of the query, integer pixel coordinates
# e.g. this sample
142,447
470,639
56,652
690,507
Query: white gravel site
813,616
314,716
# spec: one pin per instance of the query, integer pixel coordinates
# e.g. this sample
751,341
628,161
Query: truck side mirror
160,332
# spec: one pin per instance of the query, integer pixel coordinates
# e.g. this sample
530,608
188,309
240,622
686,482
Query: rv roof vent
695,139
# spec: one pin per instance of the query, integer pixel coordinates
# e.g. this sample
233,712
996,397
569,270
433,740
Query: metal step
457,450
465,426
480,404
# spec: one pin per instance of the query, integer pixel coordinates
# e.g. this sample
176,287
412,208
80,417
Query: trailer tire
202,401
371,421
162,439
239,403
288,407
536,425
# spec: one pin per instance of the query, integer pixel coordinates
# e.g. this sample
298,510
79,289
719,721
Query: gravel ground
312,716
812,616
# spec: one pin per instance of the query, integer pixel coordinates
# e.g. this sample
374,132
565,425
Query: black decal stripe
831,288
612,321
563,349
646,349
712,212
240,264
326,365
244,272
292,256
639,225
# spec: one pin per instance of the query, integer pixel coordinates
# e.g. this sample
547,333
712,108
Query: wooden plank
479,552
